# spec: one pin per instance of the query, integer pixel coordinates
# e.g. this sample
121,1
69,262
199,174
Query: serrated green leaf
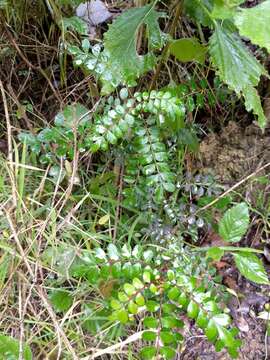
253,103
254,23
153,289
10,349
61,300
121,40
188,49
234,223
251,267
237,67
183,300
223,10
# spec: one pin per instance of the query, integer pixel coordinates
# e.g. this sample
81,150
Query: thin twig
164,54
9,140
30,65
233,188
119,346
39,290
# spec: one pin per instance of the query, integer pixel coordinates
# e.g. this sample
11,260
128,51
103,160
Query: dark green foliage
158,285
139,124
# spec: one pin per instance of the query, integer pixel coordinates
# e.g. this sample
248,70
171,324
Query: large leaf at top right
238,68
254,23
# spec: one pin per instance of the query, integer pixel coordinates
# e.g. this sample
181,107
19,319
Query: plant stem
164,54
230,248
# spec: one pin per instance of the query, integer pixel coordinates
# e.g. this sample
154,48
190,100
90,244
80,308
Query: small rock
93,12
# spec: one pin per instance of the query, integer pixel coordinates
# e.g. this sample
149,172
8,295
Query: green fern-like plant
138,124
156,286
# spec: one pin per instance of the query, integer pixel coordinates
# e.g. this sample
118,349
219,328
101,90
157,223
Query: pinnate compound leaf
237,67
251,267
121,40
254,23
188,49
10,349
234,223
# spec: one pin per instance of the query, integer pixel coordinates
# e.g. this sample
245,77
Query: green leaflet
237,68
253,103
188,50
121,40
72,116
9,349
234,223
222,10
61,300
251,267
254,23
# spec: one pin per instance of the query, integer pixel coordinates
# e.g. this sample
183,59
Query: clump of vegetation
106,222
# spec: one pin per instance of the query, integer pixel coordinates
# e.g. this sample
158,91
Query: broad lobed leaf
254,23
121,41
237,67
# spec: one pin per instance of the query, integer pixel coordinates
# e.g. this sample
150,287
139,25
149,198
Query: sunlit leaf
61,300
10,349
234,223
251,267
237,67
254,23
121,41
188,49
